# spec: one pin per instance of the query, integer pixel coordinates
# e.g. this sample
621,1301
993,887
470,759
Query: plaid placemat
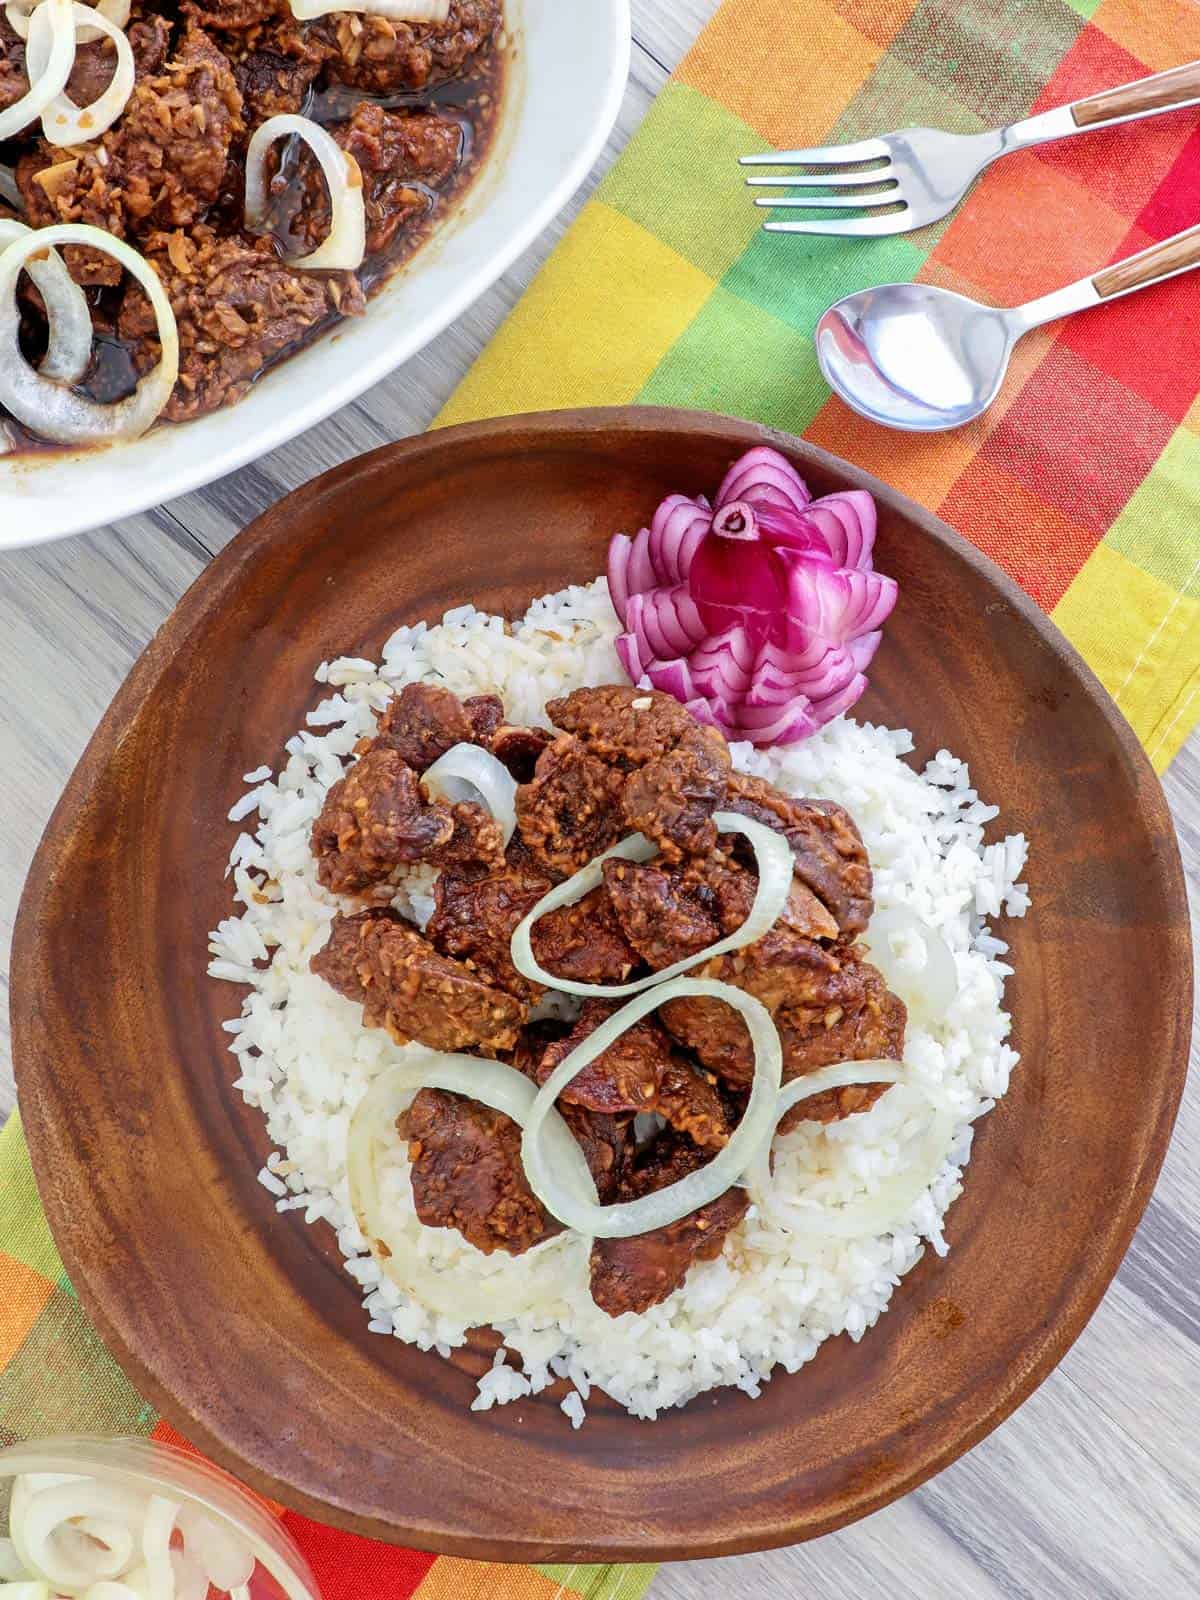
1083,480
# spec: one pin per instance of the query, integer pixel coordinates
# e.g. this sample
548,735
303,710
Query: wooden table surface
1090,1491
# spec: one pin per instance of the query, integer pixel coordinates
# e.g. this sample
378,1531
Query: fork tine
835,202
820,155
854,227
826,180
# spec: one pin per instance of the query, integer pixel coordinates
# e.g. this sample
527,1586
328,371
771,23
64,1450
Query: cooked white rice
304,1057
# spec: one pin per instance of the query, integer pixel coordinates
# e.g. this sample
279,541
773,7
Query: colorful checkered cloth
1083,480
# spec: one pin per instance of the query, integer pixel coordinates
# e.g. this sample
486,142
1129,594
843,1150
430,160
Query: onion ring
883,1211
67,312
63,122
774,857
48,408
373,1128
59,18
568,1201
37,1515
930,989
18,12
346,243
471,765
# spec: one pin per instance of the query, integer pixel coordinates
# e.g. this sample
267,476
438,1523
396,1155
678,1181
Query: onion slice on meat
422,11
59,20
347,241
63,122
928,988
471,767
18,13
556,1176
373,1133
50,409
67,312
772,853
885,1210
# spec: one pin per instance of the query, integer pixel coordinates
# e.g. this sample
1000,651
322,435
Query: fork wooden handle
1160,261
1159,93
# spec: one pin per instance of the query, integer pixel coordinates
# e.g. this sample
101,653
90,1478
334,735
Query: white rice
304,1057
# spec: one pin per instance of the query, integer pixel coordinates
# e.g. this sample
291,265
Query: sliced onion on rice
63,122
52,410
18,13
895,1197
930,988
59,20
772,853
468,767
67,312
556,1175
346,243
494,1297
421,11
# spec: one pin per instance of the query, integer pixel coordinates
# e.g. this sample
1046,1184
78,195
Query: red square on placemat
1148,341
1079,439
1036,544
350,1568
1121,166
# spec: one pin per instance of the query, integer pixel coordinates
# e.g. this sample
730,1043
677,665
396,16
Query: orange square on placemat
1029,228
787,78
25,1295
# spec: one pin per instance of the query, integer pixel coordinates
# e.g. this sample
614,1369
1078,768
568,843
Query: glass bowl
280,1571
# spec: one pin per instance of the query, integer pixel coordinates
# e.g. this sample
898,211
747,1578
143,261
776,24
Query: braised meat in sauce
414,104
664,1097
637,1273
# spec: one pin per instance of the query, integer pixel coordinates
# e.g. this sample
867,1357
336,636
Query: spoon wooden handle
1176,87
1159,261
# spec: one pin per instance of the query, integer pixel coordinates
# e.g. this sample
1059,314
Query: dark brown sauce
473,100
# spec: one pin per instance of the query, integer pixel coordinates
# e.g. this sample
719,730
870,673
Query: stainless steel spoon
913,356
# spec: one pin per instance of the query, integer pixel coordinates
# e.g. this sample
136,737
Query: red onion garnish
760,613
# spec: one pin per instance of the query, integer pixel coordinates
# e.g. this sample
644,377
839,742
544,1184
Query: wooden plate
239,1324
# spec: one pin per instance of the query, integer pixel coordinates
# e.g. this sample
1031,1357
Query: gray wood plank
1087,1493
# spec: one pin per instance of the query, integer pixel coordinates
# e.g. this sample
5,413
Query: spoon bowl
914,356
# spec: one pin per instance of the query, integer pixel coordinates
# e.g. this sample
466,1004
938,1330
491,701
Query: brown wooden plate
239,1324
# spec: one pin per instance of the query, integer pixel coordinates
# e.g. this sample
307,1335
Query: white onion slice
347,241
58,17
18,13
68,316
928,989
772,853
191,1580
26,1589
50,409
156,1545
373,1133
38,1518
895,1197
435,11
108,1589
556,1176
12,1568
227,1559
477,769
63,122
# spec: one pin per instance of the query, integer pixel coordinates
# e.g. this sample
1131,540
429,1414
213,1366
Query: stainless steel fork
917,175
